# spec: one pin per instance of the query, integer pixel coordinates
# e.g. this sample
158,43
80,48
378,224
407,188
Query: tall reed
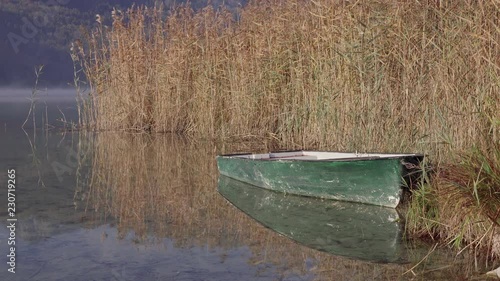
362,75
371,75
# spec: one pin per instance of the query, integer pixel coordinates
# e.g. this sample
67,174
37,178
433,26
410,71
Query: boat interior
318,155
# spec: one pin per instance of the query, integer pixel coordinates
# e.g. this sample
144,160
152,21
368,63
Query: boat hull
371,181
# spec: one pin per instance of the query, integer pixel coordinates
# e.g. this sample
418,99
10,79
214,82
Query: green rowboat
375,179
354,230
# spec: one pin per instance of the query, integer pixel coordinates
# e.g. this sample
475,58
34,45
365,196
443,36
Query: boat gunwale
345,159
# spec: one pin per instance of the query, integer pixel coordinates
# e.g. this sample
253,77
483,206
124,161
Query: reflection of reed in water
139,179
165,186
161,185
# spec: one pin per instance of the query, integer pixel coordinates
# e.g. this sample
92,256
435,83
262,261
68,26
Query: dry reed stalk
362,76
376,75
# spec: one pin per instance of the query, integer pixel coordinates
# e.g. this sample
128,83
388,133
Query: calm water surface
114,206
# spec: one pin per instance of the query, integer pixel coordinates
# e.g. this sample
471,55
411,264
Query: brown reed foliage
361,75
370,75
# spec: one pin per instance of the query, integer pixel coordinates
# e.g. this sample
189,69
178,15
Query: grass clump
462,205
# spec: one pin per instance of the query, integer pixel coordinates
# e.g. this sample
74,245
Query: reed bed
372,75
359,76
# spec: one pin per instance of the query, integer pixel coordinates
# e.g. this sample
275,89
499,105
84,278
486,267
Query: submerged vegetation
412,76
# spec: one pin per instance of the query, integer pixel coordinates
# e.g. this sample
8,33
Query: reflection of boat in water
355,230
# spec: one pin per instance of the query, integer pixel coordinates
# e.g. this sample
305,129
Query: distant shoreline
22,95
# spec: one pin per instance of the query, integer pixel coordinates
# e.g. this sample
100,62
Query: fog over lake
50,103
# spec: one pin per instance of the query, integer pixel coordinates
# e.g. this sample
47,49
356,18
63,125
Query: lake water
116,206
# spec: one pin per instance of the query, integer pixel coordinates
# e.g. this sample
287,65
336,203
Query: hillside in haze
40,32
